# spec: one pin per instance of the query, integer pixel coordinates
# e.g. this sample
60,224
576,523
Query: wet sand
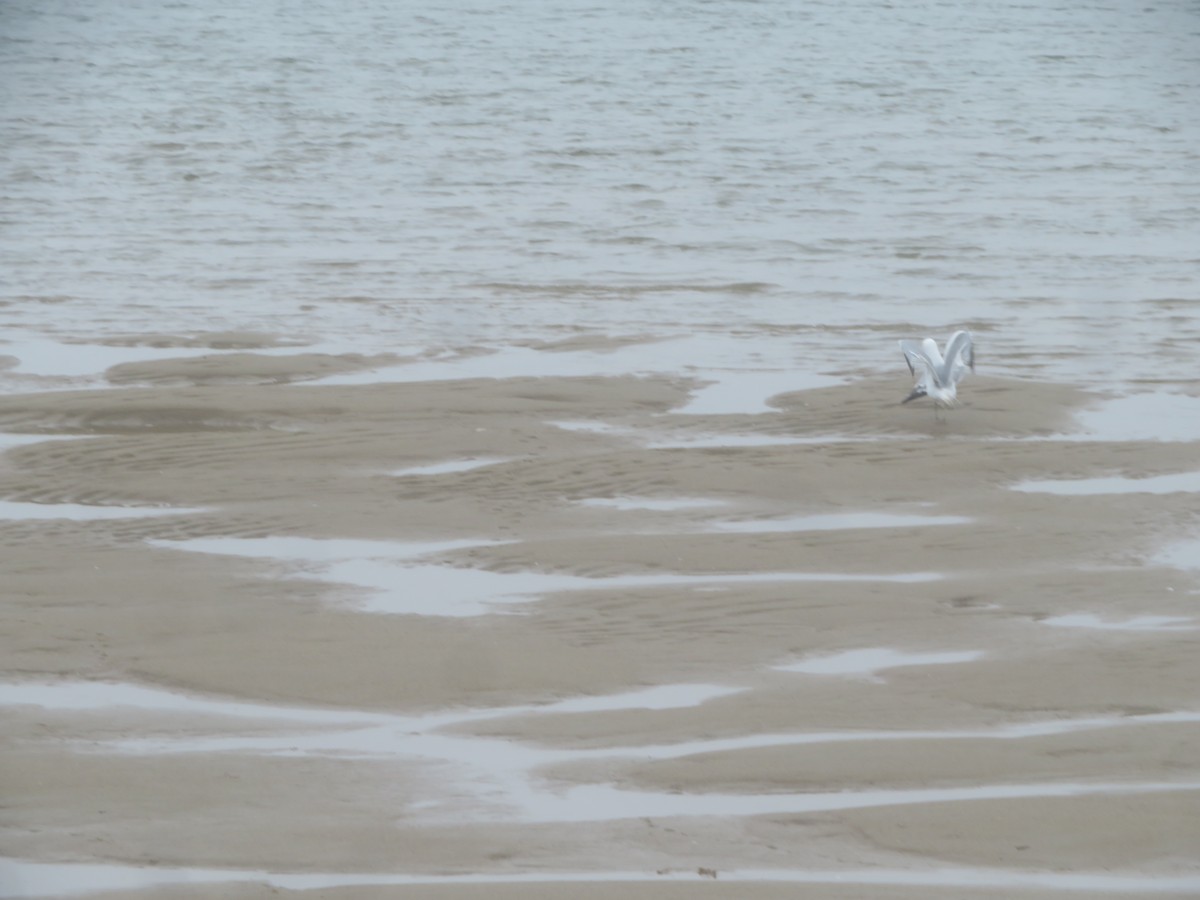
777,564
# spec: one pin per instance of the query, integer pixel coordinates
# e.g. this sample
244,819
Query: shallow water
43,364
94,695
9,440
746,439
1149,416
387,735
396,581
1134,623
71,360
747,392
19,878
603,803
1180,555
317,549
1183,482
103,695
592,427
838,521
11,509
874,659
708,358
499,779
653,504
448,467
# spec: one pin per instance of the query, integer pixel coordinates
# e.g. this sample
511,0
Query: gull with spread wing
938,377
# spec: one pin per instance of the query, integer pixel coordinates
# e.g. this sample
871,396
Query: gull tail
917,392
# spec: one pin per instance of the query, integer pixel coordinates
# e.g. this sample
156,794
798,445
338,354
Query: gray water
806,180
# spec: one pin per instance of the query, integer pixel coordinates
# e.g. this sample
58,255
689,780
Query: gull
937,377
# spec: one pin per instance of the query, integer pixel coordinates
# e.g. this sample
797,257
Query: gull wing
918,361
920,365
960,356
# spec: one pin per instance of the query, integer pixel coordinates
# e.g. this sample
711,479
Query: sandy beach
508,628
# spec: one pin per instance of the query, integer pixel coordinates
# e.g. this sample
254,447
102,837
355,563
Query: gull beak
917,392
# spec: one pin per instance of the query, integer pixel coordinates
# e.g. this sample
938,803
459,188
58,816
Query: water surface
802,182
